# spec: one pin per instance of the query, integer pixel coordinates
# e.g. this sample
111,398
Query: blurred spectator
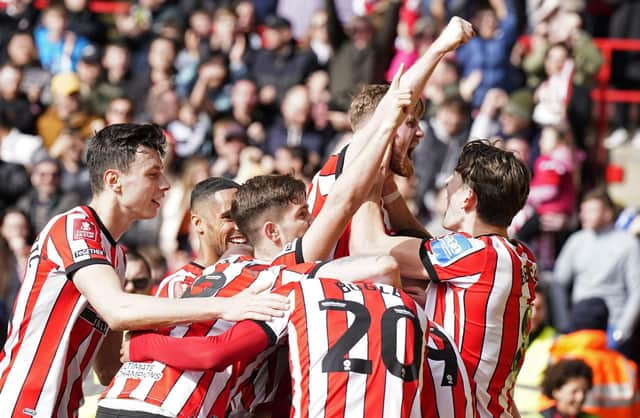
246,24
195,49
211,92
485,59
15,146
59,48
246,110
162,107
68,149
190,130
65,110
295,128
520,147
46,198
625,72
280,64
505,117
84,22
317,37
552,95
22,115
615,378
117,77
9,285
229,139
14,182
22,53
361,53
157,262
300,14
601,261
17,15
436,155
553,191
292,160
159,74
568,383
174,231
137,277
527,393
119,110
410,45
17,230
90,75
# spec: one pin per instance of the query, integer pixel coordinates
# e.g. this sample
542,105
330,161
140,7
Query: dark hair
497,177
134,255
557,375
116,145
262,194
364,103
600,193
208,187
25,215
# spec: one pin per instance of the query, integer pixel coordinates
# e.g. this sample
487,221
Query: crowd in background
245,87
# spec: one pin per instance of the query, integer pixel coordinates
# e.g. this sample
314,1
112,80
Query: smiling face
212,220
143,186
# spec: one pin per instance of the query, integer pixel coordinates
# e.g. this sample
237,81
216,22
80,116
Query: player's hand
457,32
399,100
255,303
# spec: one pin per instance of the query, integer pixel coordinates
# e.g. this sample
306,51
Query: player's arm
376,268
107,362
401,218
355,183
456,33
368,237
243,342
100,284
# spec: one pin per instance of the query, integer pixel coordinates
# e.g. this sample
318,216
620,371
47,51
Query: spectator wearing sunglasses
137,277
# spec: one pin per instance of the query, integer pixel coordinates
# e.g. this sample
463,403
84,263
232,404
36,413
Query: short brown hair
600,193
264,195
365,102
497,177
557,375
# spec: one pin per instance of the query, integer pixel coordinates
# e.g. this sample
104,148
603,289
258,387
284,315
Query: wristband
391,197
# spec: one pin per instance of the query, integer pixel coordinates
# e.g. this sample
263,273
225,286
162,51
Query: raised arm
243,342
353,186
335,29
100,284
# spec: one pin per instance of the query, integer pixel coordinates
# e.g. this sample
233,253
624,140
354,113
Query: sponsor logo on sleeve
83,252
450,247
83,229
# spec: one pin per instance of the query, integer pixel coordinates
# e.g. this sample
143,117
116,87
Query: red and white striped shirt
355,350
54,333
175,284
481,292
191,394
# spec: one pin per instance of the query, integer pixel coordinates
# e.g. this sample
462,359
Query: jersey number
446,354
336,359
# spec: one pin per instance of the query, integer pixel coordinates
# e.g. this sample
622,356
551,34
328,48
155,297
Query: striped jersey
480,292
54,333
355,350
175,284
190,394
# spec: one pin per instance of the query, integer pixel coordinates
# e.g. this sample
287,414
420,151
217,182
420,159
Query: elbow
117,319
388,265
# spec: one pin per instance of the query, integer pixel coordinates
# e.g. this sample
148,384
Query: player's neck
116,222
266,251
474,226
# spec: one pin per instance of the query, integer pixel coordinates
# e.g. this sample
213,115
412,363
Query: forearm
107,360
400,216
376,268
420,72
241,343
138,312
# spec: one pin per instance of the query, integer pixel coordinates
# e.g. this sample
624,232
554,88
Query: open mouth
237,240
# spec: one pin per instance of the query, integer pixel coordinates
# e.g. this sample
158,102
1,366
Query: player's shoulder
453,246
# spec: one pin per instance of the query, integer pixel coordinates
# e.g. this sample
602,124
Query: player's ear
196,221
111,180
271,231
471,198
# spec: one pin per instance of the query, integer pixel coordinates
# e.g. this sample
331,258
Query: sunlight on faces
571,396
143,186
407,138
457,193
294,221
214,222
